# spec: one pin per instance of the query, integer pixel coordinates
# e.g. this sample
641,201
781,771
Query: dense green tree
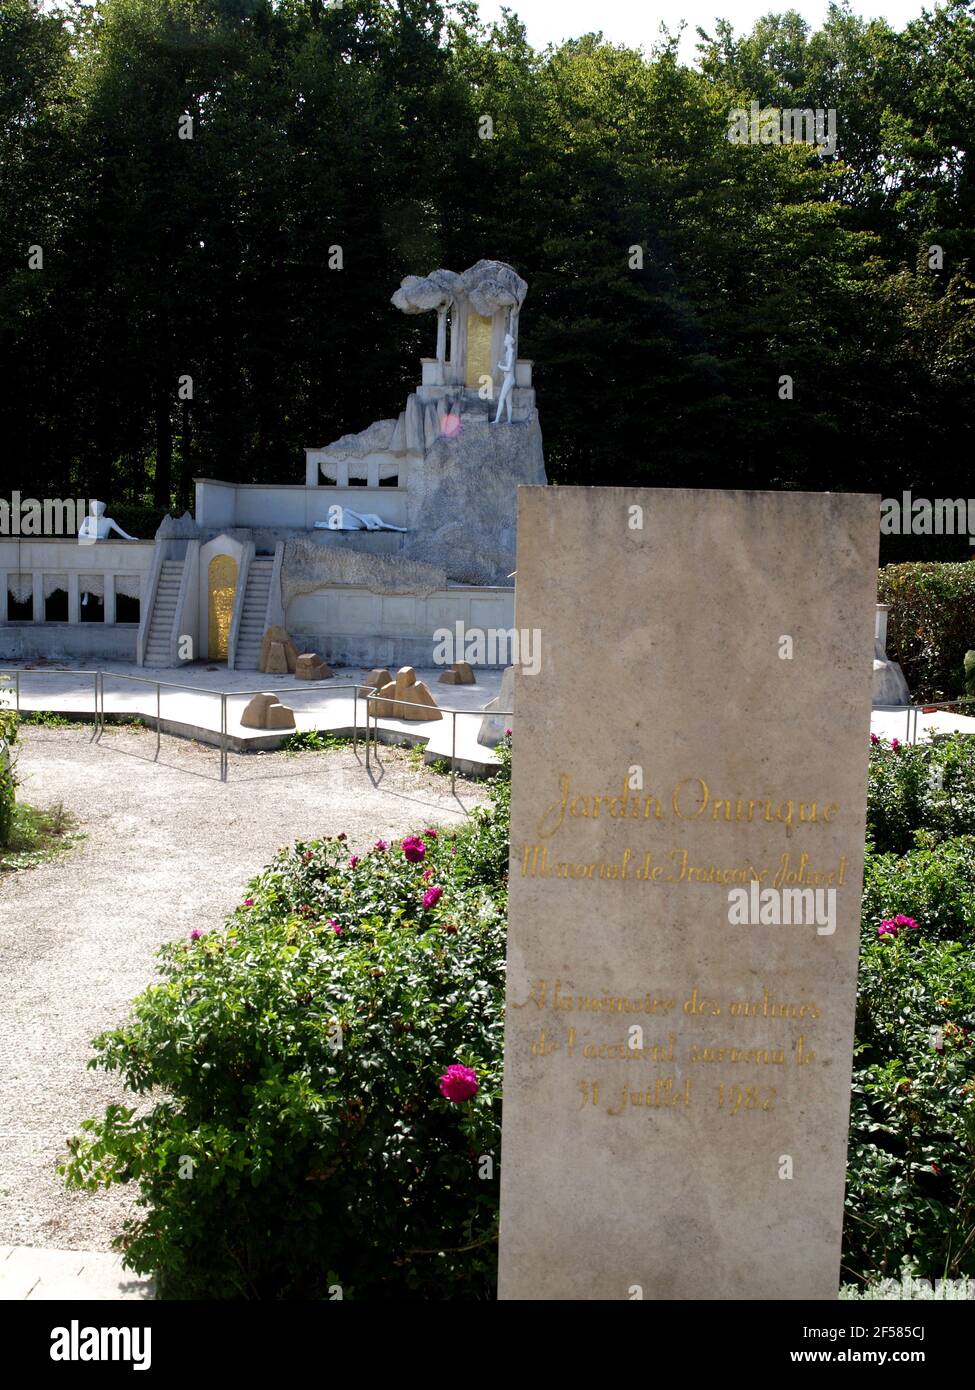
700,312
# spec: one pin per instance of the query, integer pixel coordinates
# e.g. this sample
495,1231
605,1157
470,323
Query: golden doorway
479,332
222,585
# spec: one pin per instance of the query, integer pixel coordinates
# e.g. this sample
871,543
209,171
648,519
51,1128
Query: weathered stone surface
461,504
278,635
280,717
459,674
277,659
463,490
313,563
173,528
493,726
418,694
311,667
255,712
377,678
405,698
677,1064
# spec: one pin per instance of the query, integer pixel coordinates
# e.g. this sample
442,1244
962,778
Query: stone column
74,597
109,580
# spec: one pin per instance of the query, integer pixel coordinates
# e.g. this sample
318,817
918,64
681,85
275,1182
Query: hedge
931,624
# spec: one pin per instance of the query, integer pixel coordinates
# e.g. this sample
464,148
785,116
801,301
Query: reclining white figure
96,526
344,519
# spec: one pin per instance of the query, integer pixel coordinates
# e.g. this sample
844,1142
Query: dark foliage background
357,125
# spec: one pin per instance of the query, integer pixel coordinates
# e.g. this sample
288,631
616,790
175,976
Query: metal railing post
158,718
453,752
355,720
368,717
223,736
17,687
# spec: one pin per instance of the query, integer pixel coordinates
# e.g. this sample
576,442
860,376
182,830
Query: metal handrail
360,691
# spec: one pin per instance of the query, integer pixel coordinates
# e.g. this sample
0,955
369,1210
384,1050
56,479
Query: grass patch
314,741
45,718
38,835
124,721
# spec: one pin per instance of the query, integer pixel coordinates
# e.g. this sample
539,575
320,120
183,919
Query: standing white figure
98,527
507,386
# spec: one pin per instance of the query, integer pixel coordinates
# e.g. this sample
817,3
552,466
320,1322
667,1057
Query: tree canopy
676,279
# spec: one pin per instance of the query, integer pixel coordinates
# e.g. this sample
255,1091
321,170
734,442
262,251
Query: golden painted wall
478,349
222,585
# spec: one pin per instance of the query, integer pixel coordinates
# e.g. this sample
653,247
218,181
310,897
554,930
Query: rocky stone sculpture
375,680
311,667
493,725
282,661
405,698
459,674
267,712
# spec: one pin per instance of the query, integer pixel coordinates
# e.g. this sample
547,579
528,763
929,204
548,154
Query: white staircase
158,648
253,616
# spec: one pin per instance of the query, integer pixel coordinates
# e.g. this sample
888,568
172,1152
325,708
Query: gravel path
168,848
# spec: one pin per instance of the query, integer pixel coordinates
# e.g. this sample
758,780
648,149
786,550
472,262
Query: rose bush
324,1078
324,1074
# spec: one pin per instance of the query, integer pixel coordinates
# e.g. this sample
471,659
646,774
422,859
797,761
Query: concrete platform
67,1275
189,705
891,722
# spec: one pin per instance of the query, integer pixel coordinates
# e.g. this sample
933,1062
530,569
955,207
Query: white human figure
507,386
345,519
96,526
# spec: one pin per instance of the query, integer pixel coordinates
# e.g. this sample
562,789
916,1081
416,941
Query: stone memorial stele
688,810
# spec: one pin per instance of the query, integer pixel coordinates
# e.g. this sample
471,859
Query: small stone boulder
375,680
459,674
280,717
267,712
277,634
405,698
311,667
277,660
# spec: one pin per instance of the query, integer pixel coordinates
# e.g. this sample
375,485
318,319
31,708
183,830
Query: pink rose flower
874,738
895,743
414,848
507,733
353,861
248,902
195,934
458,1083
431,897
427,875
901,921
889,928
336,928
381,844
430,834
